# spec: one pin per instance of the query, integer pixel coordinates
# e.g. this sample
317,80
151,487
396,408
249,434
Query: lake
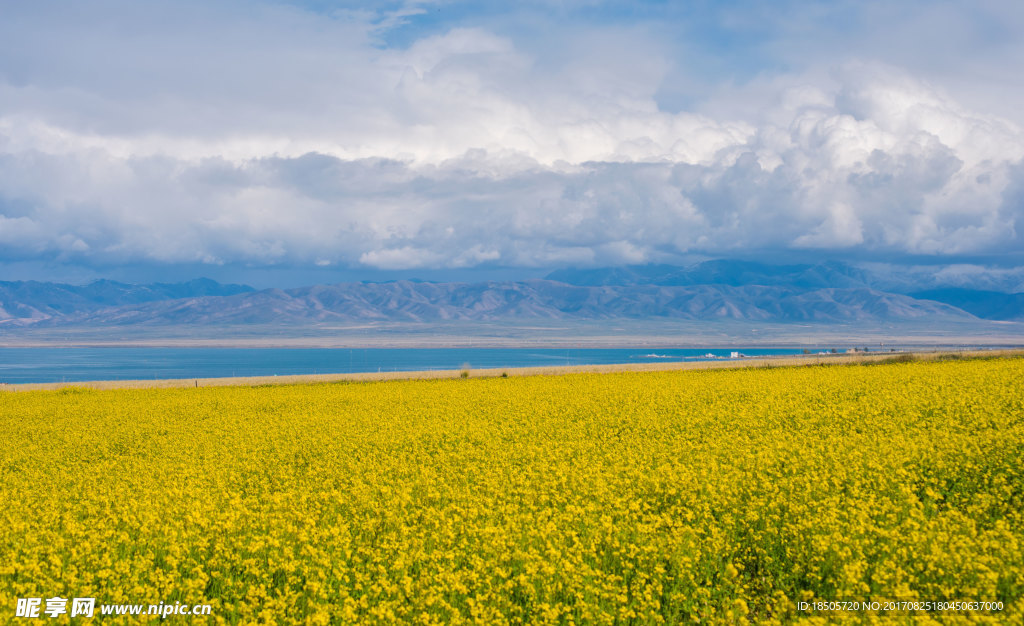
75,364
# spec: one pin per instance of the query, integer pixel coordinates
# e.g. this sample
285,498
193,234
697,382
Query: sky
286,142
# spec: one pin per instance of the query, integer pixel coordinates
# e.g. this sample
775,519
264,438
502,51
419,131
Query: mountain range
827,292
30,302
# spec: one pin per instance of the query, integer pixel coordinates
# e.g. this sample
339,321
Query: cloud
182,133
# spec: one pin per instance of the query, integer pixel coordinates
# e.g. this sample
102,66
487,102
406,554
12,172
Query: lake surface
47,365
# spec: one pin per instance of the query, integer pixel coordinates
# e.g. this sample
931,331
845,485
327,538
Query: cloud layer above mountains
327,136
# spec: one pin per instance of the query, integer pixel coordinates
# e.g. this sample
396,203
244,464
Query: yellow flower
590,499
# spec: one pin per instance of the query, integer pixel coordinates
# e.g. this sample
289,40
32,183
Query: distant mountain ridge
993,305
715,290
722,272
983,303
422,302
38,301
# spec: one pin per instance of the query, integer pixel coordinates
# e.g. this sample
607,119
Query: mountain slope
721,272
991,305
715,290
33,301
406,301
914,282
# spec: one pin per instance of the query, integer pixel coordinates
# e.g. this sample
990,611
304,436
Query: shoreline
799,360
681,341
531,334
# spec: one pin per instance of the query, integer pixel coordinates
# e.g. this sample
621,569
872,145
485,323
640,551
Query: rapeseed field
726,496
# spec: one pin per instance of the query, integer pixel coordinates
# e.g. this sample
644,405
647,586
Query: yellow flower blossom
719,496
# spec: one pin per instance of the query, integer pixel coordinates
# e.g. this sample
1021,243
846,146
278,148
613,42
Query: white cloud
400,258
840,229
283,137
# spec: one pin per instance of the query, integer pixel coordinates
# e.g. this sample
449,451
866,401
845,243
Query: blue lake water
46,365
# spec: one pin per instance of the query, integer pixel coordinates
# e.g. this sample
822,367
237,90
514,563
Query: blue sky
284,143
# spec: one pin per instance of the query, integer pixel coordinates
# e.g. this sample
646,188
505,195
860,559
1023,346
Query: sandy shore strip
778,361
